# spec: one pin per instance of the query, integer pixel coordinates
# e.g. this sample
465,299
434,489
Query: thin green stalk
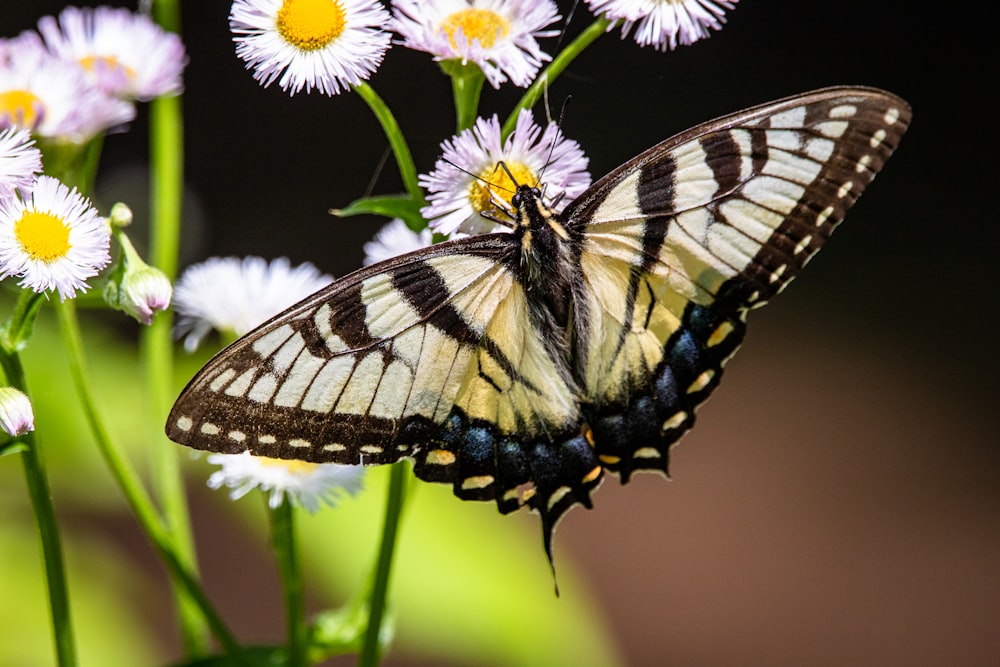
404,160
369,656
283,541
55,569
48,528
156,348
128,481
555,68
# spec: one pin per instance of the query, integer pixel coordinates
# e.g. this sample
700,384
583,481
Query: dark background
838,503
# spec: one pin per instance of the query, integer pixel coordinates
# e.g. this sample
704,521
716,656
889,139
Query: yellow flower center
494,184
294,467
91,63
311,24
481,24
21,106
42,235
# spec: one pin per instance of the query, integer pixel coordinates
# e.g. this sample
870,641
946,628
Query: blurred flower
458,195
497,35
28,41
308,485
395,238
234,295
329,45
665,23
20,161
123,53
52,239
16,414
50,97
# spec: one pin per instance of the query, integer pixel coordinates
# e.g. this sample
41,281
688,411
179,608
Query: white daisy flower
329,45
234,295
468,181
393,239
308,485
50,97
20,161
16,414
665,24
123,53
52,239
498,35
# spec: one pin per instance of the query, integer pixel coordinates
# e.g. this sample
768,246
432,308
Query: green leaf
390,206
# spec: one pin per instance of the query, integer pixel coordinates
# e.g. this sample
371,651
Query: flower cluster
79,75
331,45
62,88
70,82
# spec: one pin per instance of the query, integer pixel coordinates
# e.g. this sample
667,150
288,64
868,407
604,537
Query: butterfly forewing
681,241
406,359
520,373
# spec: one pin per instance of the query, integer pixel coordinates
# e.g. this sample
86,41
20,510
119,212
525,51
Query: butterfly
522,367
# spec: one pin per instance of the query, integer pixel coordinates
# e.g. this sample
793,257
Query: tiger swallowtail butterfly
521,367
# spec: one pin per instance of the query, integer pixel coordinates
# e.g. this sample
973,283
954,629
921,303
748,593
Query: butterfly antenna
552,149
559,124
503,165
565,28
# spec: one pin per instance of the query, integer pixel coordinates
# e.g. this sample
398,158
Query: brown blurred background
839,501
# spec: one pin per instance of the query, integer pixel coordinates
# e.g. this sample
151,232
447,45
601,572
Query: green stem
466,85
380,586
129,483
552,72
404,160
283,541
156,348
48,531
48,528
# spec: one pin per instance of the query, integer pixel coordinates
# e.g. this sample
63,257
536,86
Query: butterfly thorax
547,257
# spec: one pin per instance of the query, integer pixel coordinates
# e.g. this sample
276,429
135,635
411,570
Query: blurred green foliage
469,586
